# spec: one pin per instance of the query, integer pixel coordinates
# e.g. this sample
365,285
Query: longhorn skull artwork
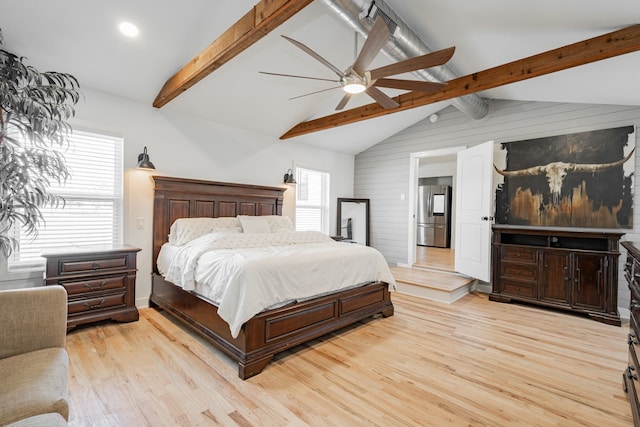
583,179
557,171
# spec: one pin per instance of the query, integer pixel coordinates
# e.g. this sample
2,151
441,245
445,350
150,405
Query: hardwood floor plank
471,363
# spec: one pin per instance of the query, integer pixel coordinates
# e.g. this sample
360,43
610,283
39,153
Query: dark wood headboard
190,198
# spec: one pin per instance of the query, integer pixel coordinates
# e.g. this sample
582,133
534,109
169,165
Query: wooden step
433,285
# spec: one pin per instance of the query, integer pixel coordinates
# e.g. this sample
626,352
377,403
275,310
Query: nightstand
100,282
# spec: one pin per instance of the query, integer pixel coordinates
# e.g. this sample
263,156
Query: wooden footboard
272,331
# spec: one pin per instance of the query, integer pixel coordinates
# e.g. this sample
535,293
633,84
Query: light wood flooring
435,258
472,363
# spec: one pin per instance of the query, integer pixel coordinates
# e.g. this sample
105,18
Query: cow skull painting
557,171
582,179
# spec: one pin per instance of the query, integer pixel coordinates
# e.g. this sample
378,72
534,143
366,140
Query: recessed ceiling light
128,29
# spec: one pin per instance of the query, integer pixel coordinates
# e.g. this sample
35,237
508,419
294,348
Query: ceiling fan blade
376,40
412,64
343,101
299,77
420,86
381,98
318,91
316,56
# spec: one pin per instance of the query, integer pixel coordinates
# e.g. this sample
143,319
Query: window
92,213
312,200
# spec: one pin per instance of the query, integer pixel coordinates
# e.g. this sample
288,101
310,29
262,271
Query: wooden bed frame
271,331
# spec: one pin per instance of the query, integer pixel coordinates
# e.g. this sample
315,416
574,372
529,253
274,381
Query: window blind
312,200
92,213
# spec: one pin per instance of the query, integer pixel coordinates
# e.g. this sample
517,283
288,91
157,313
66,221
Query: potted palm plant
34,111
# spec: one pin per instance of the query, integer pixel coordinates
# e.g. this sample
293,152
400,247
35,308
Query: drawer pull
92,306
95,266
96,287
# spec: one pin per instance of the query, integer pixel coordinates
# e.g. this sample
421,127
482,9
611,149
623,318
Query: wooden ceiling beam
595,49
265,16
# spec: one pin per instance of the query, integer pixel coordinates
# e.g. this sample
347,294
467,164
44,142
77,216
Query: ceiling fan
357,78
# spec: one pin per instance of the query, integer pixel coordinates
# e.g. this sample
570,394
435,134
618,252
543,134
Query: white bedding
246,273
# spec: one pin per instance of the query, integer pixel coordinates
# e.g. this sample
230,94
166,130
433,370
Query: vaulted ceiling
81,38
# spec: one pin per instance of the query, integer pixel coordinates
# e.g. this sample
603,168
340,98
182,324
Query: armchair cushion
33,360
32,319
45,420
34,383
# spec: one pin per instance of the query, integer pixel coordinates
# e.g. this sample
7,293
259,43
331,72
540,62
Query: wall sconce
288,178
143,161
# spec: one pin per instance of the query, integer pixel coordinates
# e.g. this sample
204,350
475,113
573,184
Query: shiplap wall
382,171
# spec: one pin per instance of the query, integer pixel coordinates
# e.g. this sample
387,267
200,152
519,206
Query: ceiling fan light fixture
354,87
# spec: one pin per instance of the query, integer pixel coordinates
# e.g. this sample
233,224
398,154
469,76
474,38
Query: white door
474,211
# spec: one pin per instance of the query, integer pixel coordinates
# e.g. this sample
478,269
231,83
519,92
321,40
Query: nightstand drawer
98,303
99,284
92,265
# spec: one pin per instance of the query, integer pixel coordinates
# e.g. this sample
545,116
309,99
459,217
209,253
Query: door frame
414,161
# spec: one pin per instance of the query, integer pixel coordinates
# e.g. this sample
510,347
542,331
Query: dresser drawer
92,265
519,289
631,388
520,254
75,287
97,303
634,346
519,271
628,267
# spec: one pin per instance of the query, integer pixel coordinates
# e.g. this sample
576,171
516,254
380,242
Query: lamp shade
143,161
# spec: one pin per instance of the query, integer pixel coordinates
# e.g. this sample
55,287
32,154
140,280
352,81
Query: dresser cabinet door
555,286
589,281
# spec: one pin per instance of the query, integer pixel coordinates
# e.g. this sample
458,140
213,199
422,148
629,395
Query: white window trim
326,209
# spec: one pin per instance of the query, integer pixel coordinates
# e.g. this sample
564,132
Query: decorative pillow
227,224
226,230
184,230
278,223
254,224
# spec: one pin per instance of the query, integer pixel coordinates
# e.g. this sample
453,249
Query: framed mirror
353,220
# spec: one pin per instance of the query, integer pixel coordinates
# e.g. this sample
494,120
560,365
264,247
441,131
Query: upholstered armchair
33,360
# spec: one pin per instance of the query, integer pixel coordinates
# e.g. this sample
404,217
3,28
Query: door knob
487,218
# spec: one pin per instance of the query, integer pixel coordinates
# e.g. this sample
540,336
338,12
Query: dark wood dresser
100,282
571,270
631,384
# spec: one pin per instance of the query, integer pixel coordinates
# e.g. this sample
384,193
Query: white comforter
247,273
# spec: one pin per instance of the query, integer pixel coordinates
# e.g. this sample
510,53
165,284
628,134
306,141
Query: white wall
382,171
190,147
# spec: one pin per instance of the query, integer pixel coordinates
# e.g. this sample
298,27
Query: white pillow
184,230
278,223
227,224
254,224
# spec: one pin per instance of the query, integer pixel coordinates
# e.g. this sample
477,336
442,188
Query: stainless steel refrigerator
434,216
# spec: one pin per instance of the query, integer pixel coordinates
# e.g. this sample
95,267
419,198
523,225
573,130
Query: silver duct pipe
403,44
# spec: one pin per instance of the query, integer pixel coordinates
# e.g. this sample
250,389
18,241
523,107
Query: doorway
428,166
